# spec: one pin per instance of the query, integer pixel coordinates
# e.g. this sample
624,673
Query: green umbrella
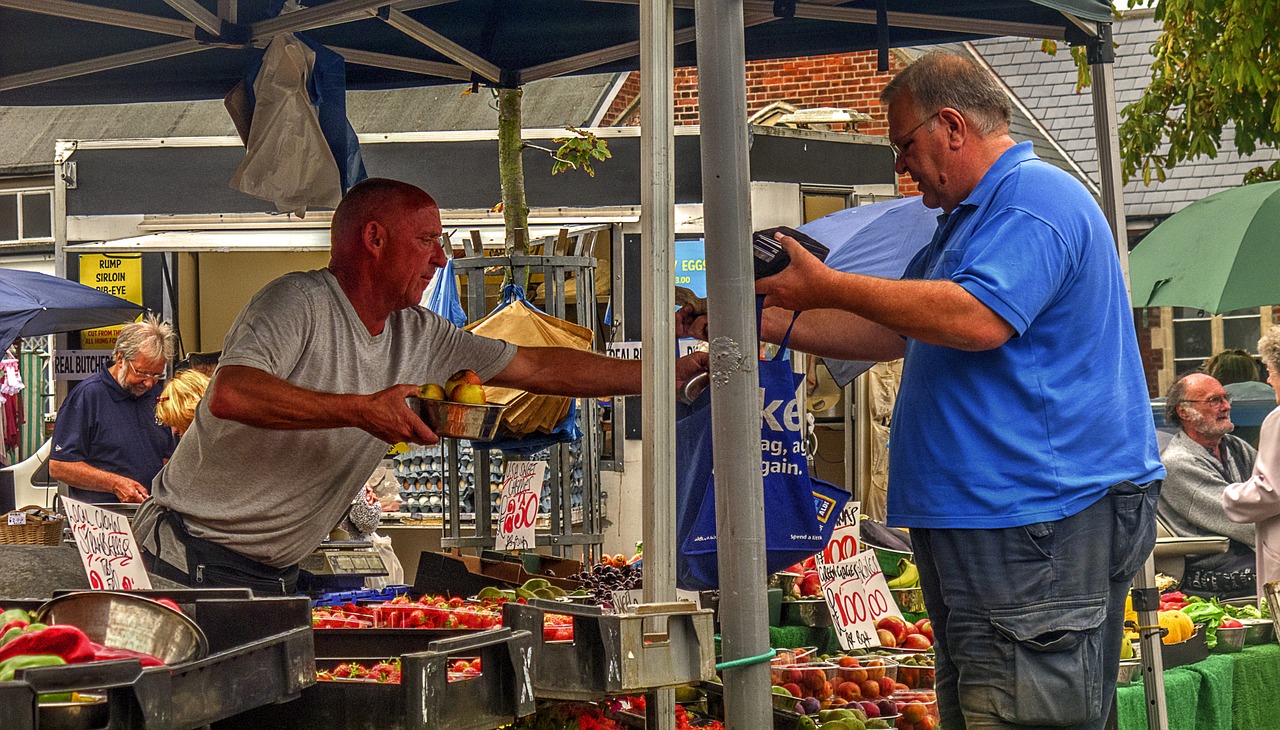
1218,254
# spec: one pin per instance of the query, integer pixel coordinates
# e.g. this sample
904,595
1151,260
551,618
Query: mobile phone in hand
769,255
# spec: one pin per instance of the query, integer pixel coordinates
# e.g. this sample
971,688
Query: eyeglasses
145,376
900,148
1217,401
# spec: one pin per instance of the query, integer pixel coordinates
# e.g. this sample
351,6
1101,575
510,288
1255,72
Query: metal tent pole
735,385
1105,125
657,231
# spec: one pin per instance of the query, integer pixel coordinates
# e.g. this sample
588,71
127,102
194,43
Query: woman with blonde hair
176,406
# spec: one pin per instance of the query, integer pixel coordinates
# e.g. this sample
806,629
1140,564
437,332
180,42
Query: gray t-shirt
273,495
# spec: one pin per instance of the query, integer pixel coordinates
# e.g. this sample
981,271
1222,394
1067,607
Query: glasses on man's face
155,377
900,148
1217,401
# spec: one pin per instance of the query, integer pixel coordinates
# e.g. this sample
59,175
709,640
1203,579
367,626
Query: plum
811,705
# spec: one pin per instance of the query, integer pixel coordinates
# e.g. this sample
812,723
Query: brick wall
841,80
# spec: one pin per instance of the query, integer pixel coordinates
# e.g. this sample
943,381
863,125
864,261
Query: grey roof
1046,86
1023,125
29,132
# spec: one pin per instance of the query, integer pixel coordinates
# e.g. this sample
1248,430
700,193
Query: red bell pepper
68,642
107,653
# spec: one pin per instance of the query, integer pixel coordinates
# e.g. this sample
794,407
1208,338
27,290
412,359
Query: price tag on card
857,596
107,548
843,544
521,489
17,518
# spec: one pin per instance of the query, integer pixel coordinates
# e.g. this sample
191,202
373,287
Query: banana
908,576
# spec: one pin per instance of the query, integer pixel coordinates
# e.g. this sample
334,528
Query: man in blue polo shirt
1023,452
107,445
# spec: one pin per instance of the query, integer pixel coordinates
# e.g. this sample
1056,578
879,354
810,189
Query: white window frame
19,194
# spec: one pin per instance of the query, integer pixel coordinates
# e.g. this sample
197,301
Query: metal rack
571,258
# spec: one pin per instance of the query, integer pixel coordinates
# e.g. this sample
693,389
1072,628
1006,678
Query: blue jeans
1028,620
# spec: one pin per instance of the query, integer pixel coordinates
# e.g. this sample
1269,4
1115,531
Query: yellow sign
116,274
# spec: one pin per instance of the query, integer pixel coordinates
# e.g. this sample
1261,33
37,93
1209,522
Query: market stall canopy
1219,254
33,304
117,51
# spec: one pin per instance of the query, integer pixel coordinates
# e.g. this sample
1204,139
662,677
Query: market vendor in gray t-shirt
311,388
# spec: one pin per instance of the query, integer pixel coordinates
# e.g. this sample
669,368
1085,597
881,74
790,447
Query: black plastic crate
612,655
261,651
425,699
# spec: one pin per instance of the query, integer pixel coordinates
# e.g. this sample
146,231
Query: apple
431,391
925,627
462,376
469,393
887,639
810,586
919,642
895,625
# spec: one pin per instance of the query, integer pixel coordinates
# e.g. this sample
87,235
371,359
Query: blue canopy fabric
33,304
515,36
877,240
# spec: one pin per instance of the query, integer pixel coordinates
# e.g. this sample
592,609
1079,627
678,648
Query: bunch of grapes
601,580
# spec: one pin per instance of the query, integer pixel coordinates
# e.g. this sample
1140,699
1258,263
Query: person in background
1022,450
312,386
107,446
176,406
1257,499
1238,372
1201,460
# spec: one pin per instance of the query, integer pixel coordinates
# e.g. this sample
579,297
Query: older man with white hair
1201,460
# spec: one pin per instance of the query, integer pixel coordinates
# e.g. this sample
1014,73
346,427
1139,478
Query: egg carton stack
421,474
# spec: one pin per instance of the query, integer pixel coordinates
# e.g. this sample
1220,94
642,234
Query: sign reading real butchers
79,364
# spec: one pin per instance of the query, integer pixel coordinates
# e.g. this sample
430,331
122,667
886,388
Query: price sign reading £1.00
857,596
521,488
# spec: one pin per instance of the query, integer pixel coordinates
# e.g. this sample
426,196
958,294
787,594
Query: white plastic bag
395,571
287,160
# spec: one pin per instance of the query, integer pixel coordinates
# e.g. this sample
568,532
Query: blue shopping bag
442,295
801,512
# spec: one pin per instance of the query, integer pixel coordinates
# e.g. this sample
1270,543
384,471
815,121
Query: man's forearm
84,476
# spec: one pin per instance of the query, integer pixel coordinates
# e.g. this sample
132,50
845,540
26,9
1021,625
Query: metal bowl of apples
476,422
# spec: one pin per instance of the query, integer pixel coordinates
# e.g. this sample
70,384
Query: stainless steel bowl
910,600
1258,631
783,580
1230,640
1130,669
126,621
459,420
810,612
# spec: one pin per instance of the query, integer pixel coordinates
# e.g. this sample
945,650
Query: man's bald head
375,199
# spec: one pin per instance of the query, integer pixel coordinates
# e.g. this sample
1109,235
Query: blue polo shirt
106,426
1039,428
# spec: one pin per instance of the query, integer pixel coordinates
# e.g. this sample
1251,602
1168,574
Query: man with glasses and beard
107,446
1201,460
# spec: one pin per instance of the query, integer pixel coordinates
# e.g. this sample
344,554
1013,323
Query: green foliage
1217,63
577,152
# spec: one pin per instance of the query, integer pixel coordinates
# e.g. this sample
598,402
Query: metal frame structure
571,256
720,30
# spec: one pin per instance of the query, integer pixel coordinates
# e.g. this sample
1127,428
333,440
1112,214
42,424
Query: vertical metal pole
657,281
1106,123
735,395
1105,127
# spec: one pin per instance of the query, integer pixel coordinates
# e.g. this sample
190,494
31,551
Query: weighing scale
339,565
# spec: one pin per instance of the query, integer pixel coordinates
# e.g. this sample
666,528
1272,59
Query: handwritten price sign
843,544
857,596
521,488
110,555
